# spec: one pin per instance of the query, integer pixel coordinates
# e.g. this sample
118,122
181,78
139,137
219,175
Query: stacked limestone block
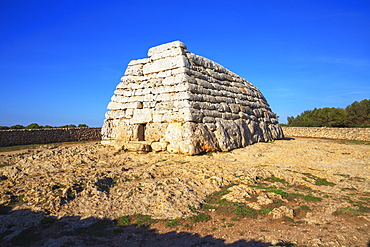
180,102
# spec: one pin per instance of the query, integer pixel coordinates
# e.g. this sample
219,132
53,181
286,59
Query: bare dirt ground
297,192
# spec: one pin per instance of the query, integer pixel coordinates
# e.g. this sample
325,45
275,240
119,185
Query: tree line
36,126
356,114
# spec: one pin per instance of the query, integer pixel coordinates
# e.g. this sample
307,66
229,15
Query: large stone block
141,116
164,47
155,131
165,64
228,135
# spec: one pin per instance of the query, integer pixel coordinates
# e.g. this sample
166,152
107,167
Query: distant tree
18,126
48,127
329,117
4,127
82,126
359,113
68,126
33,126
290,119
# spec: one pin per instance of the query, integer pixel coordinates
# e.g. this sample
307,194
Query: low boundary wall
41,136
355,134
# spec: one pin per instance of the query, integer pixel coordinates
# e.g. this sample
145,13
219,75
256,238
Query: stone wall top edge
342,128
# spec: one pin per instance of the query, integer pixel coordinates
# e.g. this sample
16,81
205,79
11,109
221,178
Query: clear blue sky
60,61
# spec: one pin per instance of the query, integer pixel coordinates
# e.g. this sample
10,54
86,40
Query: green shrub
123,221
200,218
304,207
173,223
47,220
266,210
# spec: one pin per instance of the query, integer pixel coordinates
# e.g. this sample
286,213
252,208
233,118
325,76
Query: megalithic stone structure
184,103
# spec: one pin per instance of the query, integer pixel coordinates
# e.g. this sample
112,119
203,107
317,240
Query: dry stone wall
355,134
184,103
40,136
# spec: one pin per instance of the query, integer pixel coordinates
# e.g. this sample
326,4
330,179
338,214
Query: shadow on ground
28,228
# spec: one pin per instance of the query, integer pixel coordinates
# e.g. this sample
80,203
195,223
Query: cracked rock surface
94,182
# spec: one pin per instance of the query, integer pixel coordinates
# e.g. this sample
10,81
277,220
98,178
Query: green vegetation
289,219
187,226
355,115
118,230
192,209
215,196
291,196
243,211
172,223
358,113
319,181
304,207
136,219
123,221
47,220
347,211
103,187
98,229
143,220
323,181
266,210
200,218
238,210
36,126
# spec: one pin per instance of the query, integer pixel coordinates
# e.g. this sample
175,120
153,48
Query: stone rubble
242,193
184,103
281,212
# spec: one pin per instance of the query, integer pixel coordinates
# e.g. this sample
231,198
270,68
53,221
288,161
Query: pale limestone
194,104
281,212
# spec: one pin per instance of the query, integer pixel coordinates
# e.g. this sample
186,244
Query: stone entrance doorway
141,132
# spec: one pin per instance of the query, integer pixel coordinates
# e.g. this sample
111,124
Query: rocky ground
296,192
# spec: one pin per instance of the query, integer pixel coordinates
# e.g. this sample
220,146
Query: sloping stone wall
186,103
41,136
356,134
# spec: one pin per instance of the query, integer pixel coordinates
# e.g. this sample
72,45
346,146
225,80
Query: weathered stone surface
137,146
195,104
77,185
39,136
159,146
358,134
281,212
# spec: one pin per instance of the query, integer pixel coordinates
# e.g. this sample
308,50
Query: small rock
281,212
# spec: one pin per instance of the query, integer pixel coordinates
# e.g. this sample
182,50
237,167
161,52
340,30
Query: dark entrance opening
141,132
